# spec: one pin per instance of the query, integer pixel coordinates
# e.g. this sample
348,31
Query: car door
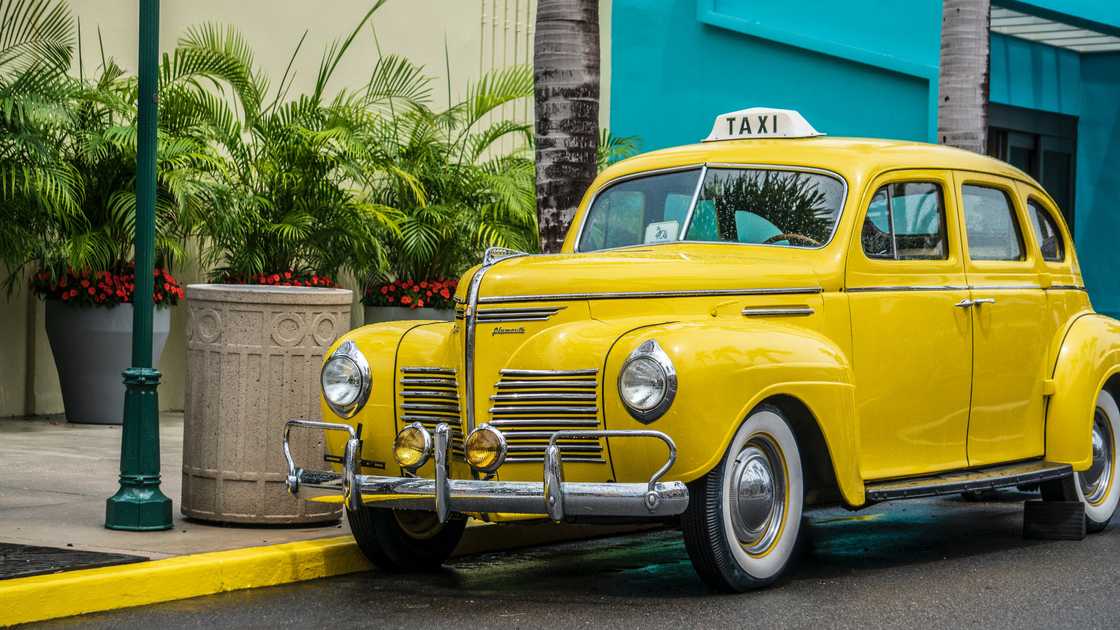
912,346
1009,311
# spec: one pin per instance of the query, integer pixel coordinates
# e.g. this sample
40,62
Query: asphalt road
918,564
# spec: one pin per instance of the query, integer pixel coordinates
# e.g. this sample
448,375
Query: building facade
871,68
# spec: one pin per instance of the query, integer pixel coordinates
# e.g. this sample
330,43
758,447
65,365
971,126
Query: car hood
675,268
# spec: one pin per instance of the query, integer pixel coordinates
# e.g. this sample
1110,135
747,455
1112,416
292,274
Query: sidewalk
55,477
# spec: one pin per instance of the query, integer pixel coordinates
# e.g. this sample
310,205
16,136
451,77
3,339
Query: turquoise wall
1098,180
851,70
677,64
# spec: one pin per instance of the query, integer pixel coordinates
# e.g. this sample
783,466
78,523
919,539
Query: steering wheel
791,236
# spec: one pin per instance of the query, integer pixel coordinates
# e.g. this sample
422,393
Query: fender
376,341
725,370
1089,355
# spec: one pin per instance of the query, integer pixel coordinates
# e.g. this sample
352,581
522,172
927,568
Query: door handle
966,303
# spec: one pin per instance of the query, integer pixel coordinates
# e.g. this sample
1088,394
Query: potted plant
296,211
406,299
471,187
76,192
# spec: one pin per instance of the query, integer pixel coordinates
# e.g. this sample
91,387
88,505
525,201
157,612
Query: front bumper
553,497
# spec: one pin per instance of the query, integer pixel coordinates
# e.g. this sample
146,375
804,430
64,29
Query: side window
993,231
1047,232
906,221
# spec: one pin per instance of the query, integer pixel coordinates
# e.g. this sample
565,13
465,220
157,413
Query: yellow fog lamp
413,446
485,448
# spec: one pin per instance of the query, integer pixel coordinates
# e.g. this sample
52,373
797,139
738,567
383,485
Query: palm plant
466,191
300,194
37,40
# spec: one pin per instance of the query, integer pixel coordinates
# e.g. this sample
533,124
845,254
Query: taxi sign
761,122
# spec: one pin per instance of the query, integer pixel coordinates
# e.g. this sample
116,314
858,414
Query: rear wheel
743,517
1096,487
404,540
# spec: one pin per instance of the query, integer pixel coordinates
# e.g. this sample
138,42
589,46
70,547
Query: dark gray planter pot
91,347
378,314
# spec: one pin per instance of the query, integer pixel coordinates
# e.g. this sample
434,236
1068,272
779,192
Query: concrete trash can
253,360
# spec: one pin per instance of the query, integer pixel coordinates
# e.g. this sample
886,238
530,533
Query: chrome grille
430,395
529,405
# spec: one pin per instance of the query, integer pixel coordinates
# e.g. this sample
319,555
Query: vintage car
736,331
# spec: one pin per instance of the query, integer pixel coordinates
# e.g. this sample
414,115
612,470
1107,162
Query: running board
1002,476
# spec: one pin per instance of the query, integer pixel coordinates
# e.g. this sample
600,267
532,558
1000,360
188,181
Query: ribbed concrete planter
253,359
377,314
91,347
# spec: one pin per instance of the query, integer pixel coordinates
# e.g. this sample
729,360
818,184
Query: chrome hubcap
1095,481
417,524
757,495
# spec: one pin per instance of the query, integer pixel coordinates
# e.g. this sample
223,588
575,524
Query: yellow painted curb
44,597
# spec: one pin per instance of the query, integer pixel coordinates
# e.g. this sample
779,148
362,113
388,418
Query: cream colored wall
479,35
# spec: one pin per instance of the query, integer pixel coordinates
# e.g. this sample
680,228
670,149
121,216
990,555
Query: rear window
1047,232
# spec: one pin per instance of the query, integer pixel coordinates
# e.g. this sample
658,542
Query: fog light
413,446
485,448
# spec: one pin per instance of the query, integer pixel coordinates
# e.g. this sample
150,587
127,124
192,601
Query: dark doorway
1042,144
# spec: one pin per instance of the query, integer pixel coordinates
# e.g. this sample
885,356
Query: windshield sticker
662,231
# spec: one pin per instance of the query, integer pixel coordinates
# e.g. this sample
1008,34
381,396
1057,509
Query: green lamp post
139,504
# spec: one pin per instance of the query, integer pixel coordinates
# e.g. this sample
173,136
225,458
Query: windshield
735,205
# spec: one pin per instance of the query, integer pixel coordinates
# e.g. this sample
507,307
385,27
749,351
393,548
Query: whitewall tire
743,519
1098,487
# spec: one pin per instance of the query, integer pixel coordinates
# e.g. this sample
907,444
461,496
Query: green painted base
138,510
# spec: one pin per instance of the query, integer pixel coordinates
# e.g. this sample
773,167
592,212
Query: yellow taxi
734,332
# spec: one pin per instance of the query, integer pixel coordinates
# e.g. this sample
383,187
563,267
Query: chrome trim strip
906,288
578,384
565,448
1007,287
630,295
530,409
704,167
493,256
1067,287
532,373
515,433
429,382
511,423
428,370
777,311
571,460
515,396
450,408
425,393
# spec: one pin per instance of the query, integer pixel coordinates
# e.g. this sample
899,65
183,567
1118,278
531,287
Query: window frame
1017,217
1035,199
585,213
1018,211
858,228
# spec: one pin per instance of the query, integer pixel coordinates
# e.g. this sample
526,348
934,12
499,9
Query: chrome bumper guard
554,497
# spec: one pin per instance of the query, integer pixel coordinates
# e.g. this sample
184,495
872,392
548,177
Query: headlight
485,448
346,380
647,382
413,446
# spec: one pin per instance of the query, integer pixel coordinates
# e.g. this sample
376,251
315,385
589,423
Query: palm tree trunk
962,113
566,71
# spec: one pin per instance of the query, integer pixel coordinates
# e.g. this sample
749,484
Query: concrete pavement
55,477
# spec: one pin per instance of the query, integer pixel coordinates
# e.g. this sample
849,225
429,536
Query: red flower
384,290
392,299
91,290
445,293
423,284
419,303
406,300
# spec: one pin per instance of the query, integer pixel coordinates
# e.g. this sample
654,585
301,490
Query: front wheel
404,540
743,517
1096,487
